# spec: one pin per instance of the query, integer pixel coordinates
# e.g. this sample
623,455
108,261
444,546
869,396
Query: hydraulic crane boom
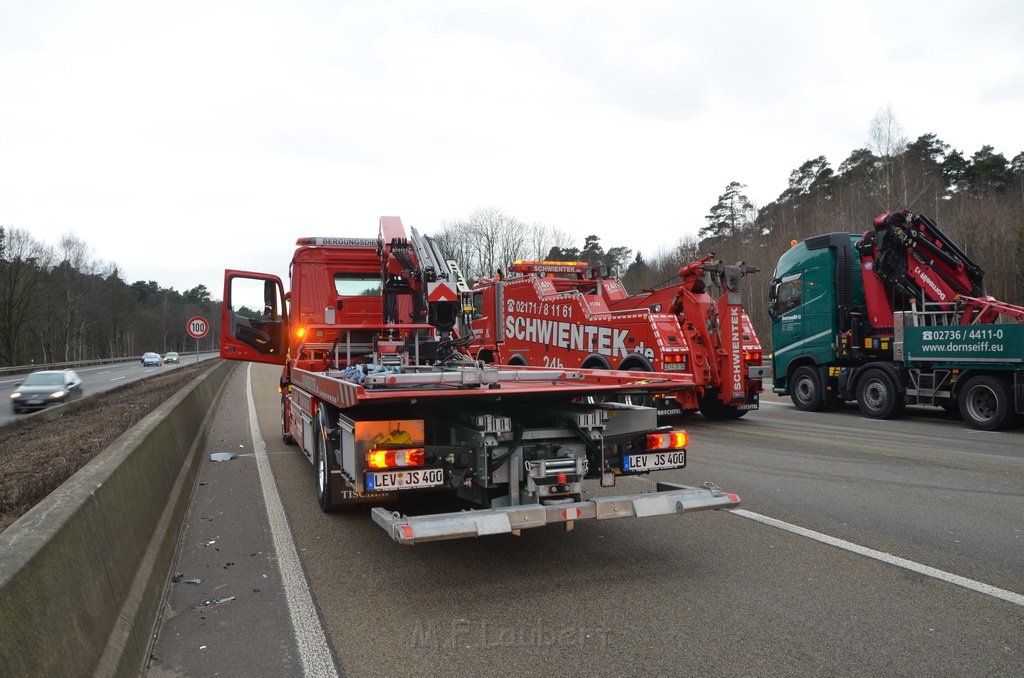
909,262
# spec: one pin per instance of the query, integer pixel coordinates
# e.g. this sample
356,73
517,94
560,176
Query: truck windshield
357,284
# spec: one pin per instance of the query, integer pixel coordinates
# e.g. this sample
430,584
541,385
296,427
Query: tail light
670,440
412,456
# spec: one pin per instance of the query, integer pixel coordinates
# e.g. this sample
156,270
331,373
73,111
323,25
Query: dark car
45,387
151,359
172,357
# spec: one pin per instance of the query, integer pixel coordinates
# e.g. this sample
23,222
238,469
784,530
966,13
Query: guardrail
32,367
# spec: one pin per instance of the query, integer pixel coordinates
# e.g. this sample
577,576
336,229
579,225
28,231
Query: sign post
197,327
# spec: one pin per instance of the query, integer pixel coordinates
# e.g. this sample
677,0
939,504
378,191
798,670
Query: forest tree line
59,305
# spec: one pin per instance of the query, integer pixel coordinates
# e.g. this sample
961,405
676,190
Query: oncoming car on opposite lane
152,360
45,387
172,357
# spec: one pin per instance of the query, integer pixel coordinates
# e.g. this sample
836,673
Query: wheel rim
321,462
876,395
981,403
805,390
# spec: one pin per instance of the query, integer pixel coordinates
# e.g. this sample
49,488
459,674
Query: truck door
254,318
785,297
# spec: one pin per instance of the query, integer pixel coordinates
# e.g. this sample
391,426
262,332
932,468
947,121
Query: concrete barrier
82,574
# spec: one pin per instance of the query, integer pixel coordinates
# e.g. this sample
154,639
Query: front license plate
654,461
35,402
381,481
747,406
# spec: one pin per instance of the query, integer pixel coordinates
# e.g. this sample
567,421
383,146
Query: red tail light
412,456
670,440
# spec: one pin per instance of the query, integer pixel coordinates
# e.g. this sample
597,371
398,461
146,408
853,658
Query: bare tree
23,268
888,143
489,240
75,266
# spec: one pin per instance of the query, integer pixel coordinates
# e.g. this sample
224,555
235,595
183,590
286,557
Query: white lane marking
116,378
309,633
1002,594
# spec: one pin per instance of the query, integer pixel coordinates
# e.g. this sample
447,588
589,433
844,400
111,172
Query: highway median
82,574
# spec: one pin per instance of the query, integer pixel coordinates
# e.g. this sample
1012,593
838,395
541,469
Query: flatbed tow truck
378,393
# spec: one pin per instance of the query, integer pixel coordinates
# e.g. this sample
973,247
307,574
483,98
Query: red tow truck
378,392
574,314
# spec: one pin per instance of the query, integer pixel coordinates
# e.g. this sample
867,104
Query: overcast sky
181,138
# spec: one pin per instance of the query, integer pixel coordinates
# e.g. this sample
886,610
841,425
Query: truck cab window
785,295
256,313
357,284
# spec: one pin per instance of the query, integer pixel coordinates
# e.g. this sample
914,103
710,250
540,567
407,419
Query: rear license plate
654,461
381,481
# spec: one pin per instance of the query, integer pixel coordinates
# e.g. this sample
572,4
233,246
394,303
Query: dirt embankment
37,455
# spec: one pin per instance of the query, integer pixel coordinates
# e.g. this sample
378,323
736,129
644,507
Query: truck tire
878,396
985,403
806,390
286,435
327,490
713,408
639,399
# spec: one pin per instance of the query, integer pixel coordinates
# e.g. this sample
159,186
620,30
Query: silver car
45,387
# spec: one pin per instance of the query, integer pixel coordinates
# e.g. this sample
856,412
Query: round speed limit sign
197,327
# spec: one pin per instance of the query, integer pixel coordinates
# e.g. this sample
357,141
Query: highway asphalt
863,548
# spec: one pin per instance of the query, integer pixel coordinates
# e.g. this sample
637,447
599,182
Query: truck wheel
713,408
639,399
878,396
327,493
985,403
806,389
286,435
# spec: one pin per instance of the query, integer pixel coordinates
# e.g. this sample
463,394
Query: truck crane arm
912,255
914,262
415,265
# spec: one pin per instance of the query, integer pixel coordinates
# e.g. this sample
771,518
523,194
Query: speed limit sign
197,327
